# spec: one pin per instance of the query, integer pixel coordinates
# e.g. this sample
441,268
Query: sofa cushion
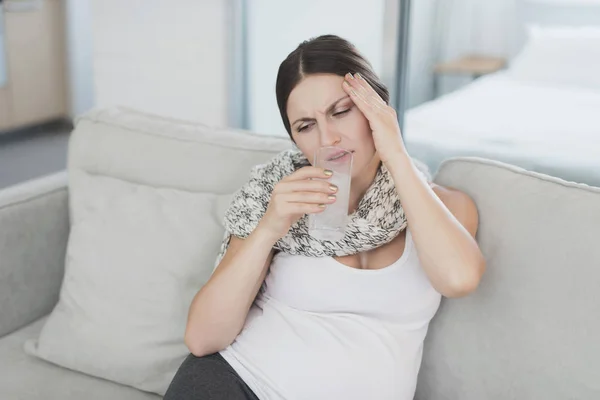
135,259
146,202
530,331
28,378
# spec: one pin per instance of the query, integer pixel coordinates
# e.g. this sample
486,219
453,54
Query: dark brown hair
326,54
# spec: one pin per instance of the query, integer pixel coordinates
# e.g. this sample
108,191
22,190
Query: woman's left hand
382,117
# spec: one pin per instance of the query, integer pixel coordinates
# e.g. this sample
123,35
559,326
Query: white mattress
555,130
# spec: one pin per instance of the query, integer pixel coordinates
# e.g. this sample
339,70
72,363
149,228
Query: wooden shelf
476,65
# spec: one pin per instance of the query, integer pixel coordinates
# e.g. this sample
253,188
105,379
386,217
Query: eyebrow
329,109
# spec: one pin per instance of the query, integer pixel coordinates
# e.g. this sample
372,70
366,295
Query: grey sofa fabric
34,226
531,330
23,377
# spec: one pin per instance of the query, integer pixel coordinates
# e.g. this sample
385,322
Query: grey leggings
207,378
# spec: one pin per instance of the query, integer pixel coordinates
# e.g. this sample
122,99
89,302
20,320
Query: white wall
161,56
276,28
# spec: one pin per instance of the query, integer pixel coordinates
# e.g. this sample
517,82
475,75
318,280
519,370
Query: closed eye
337,114
302,128
341,113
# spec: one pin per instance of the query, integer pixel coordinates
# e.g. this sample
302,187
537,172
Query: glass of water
330,224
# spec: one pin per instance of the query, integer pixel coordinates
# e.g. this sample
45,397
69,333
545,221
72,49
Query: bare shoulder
460,204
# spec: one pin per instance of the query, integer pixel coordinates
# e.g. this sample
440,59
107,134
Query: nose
329,135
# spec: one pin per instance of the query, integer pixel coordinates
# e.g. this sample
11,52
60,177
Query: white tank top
323,330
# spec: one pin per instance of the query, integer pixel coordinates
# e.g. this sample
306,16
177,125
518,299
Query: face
322,114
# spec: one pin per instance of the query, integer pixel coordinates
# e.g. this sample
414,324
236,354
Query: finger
358,99
313,209
305,208
365,92
373,99
355,85
378,104
308,172
363,87
307,197
368,106
317,185
368,93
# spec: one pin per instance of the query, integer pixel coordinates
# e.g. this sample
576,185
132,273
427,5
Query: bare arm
219,309
443,223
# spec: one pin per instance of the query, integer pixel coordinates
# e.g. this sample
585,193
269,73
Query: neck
361,183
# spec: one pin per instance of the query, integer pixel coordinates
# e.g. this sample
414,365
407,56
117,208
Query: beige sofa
531,331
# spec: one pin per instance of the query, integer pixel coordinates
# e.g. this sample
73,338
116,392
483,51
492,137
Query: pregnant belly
306,355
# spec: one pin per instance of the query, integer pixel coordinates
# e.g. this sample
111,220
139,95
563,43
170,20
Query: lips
339,153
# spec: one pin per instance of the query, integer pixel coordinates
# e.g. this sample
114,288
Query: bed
542,113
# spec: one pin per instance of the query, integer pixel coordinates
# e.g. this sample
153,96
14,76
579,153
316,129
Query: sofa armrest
34,228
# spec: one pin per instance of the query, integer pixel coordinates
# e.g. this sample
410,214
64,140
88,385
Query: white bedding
551,129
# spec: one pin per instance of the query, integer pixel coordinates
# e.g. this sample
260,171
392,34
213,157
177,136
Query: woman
285,316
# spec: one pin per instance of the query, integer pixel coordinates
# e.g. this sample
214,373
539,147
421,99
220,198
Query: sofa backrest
532,329
158,151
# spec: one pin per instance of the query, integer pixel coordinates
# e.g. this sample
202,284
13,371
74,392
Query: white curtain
422,55
3,74
474,26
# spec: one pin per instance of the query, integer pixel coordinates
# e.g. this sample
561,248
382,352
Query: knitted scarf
378,219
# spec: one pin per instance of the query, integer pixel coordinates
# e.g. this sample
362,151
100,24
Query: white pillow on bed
560,55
